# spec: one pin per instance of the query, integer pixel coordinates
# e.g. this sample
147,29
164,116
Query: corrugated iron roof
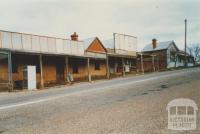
160,46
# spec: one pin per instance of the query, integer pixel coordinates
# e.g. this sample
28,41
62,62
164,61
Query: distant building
162,55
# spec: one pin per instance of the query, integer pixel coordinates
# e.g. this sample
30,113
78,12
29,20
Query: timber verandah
55,59
121,65
51,70
6,70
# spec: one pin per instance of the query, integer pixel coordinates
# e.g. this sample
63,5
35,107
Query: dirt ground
131,109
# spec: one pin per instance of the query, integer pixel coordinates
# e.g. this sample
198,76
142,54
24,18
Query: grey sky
145,19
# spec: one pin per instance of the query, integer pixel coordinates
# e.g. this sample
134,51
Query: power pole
185,42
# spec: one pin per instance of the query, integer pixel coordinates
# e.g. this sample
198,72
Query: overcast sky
146,19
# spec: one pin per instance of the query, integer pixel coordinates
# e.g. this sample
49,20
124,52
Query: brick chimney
154,43
74,37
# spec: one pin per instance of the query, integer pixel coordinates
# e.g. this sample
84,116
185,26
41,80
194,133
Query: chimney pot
74,37
154,43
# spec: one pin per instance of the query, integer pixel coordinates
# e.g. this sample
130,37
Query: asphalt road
118,106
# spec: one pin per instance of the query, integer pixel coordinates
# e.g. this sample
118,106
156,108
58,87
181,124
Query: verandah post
142,64
107,67
41,72
123,68
66,72
10,71
88,69
153,63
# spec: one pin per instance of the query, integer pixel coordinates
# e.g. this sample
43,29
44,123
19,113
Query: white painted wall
125,44
170,64
40,44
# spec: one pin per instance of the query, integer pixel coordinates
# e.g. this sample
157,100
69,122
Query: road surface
131,105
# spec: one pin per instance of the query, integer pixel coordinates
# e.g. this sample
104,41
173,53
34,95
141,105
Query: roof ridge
166,41
162,42
160,46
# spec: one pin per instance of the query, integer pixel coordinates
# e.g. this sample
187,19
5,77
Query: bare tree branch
194,50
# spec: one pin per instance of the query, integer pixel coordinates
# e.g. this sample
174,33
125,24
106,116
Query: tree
194,50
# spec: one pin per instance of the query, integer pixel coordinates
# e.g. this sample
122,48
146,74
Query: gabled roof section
88,42
160,46
94,45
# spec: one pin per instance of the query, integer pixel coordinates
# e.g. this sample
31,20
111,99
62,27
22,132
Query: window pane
173,110
181,110
190,110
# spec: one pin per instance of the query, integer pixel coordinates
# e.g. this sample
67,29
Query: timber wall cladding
101,72
19,61
49,73
82,68
50,65
49,69
83,71
3,70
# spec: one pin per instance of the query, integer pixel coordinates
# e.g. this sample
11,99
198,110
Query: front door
60,72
